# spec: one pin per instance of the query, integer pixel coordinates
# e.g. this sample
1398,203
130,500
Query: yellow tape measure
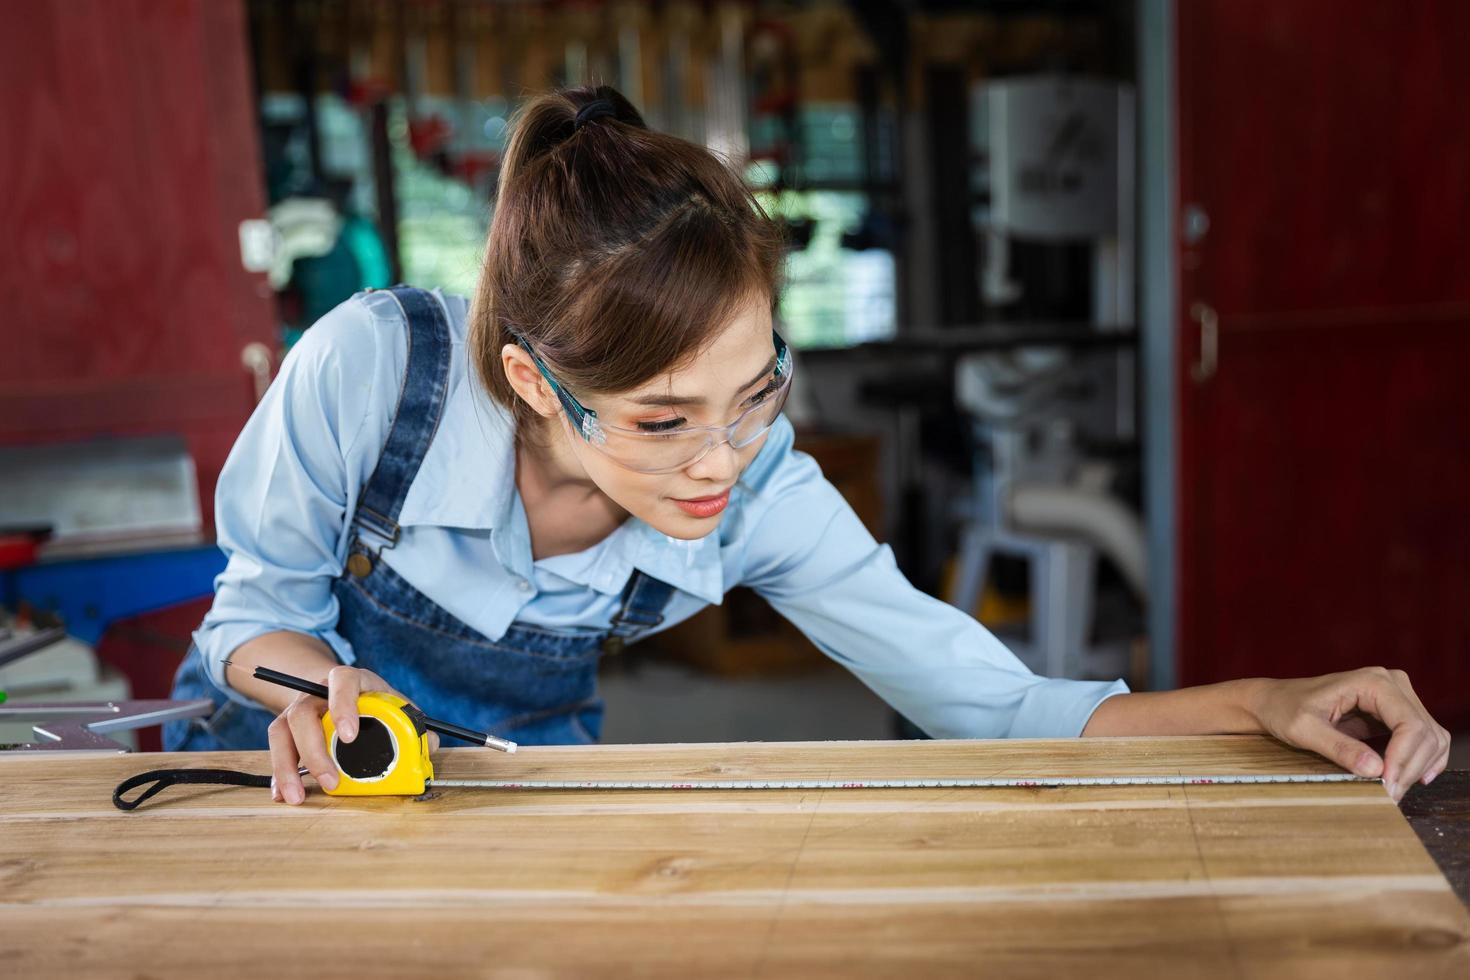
389,756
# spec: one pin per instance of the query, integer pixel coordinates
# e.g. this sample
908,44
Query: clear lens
761,418
655,453
651,452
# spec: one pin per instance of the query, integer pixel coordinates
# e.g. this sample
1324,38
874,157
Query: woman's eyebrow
699,400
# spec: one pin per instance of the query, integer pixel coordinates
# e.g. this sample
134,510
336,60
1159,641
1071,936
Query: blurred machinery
39,664
1060,171
56,694
124,524
94,532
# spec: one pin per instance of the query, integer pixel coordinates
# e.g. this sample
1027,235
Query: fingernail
348,731
1367,765
328,780
1430,778
295,795
1393,790
275,793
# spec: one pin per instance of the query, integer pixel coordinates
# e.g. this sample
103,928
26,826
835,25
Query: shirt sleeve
282,496
814,561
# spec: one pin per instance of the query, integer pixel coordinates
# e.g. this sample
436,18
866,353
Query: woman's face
714,388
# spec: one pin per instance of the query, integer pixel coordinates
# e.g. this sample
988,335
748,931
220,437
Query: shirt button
523,585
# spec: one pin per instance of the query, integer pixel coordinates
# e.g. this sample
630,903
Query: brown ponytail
617,251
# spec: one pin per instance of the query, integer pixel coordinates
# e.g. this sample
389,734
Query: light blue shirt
288,490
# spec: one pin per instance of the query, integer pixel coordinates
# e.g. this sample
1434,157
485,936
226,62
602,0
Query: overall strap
644,600
420,404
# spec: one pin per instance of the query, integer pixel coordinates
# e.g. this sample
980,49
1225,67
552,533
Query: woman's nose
720,465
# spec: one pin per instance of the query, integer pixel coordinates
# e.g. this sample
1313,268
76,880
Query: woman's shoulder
355,359
370,326
364,340
384,308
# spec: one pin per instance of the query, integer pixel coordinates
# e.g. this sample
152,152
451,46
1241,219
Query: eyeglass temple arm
573,407
783,353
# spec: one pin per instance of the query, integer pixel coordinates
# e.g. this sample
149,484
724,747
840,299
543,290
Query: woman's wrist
1252,694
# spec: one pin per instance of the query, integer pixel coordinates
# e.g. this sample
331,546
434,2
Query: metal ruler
990,781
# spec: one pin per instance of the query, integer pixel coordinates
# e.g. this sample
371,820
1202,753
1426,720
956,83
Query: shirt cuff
1059,708
216,643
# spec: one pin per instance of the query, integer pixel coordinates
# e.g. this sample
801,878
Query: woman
468,505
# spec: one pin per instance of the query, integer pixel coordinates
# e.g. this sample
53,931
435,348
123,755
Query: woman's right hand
297,739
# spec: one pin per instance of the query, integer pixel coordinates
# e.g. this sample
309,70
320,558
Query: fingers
304,716
1441,762
1428,760
285,781
1441,757
1410,752
344,684
1417,744
1317,735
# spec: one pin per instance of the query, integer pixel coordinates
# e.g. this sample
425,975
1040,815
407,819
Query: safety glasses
667,451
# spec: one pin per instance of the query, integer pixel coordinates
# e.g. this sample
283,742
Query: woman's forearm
1329,715
292,653
1227,708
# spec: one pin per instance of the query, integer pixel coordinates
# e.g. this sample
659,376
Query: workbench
1281,880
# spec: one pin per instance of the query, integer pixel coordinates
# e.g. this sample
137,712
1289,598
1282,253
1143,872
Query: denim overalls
534,686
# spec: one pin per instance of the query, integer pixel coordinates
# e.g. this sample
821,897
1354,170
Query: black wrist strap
162,779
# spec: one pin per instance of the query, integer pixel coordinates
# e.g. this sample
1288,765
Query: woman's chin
674,523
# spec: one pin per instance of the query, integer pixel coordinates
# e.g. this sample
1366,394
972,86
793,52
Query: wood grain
1203,881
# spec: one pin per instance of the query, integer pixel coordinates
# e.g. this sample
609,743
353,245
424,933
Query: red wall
129,159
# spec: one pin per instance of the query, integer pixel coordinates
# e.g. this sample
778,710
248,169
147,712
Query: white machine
1060,154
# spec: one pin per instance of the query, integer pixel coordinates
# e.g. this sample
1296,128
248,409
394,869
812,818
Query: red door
1324,462
128,159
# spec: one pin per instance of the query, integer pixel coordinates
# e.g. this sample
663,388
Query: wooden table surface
1302,880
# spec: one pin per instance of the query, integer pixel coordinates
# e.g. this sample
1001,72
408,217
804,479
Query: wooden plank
1292,880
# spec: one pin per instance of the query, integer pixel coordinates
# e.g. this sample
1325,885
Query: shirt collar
695,567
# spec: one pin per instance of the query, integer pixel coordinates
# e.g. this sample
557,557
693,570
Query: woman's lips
703,506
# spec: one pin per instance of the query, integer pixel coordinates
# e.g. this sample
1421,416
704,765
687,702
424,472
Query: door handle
1204,369
256,358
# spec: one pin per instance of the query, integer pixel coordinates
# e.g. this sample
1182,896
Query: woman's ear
527,381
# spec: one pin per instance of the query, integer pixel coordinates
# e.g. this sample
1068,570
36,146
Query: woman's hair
616,251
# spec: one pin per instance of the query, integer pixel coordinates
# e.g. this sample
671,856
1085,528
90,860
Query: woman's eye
663,426
770,389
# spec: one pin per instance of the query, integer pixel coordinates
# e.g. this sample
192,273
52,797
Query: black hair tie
595,109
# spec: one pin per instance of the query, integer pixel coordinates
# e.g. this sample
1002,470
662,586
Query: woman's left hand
1330,715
